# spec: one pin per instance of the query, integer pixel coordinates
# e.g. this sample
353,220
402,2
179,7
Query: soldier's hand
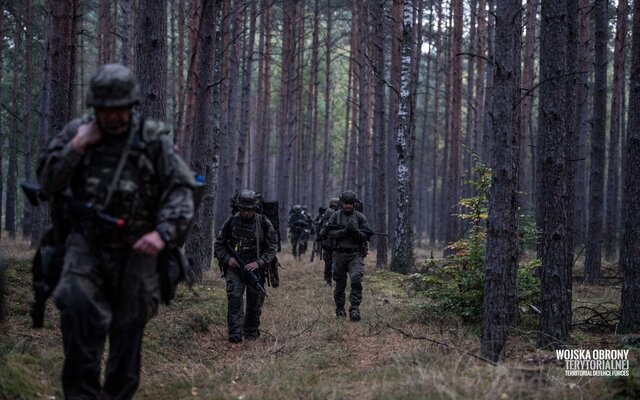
351,227
252,266
87,135
151,244
233,263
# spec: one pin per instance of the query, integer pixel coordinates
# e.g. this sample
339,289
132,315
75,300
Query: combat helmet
112,86
296,208
247,200
333,203
349,197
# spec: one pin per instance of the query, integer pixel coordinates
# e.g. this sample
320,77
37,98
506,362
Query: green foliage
457,286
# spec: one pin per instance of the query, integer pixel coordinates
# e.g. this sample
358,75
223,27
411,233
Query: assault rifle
317,248
47,262
367,231
252,275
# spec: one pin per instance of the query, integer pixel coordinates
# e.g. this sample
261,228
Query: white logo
580,362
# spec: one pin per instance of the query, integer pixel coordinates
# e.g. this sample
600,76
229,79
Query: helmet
113,85
247,200
297,208
348,196
333,203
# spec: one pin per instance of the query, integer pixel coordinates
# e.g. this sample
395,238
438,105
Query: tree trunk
402,255
452,176
125,32
500,300
204,159
526,107
613,175
12,168
151,58
26,115
630,248
555,318
326,152
593,262
379,166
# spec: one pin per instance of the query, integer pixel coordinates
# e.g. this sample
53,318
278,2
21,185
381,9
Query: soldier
345,228
254,241
300,223
126,166
327,251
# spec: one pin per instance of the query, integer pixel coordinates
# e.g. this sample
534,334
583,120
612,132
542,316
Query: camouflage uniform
252,240
327,250
300,224
348,242
106,287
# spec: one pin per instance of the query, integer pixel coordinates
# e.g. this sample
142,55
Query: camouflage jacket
154,191
340,219
254,240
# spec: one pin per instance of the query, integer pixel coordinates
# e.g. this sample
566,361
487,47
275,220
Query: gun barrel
252,275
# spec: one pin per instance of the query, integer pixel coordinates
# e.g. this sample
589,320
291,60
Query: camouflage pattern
300,224
347,257
327,249
247,199
348,196
253,240
113,85
106,288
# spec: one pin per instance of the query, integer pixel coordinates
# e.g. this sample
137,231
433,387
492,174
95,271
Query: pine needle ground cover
400,350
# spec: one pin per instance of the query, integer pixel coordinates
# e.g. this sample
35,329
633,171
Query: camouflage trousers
104,293
348,264
243,321
327,257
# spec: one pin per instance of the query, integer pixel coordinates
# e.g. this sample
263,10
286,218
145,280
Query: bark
611,236
630,248
326,152
582,123
205,138
392,121
402,255
12,168
106,43
452,177
379,166
526,108
125,32
151,57
26,114
553,201
500,300
435,206
593,262
243,173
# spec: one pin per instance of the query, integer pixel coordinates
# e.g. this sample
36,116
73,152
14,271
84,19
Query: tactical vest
342,219
136,195
246,238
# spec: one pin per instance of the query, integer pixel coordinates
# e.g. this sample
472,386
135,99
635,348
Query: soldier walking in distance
126,166
325,244
253,240
346,229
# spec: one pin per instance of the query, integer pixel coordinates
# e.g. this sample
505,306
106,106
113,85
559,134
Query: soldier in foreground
245,246
346,230
126,166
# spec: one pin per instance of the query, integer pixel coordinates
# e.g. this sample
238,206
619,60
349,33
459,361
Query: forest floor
397,351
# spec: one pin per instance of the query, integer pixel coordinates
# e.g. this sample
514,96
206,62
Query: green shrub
455,287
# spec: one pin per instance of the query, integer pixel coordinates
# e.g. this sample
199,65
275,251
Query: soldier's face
114,121
347,207
247,213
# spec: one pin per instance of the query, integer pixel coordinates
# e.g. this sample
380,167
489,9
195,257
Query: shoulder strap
121,162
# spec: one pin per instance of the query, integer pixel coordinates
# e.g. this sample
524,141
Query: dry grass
304,352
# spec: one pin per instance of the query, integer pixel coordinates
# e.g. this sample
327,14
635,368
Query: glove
351,227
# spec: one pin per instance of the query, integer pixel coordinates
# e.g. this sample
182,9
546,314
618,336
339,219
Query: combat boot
354,315
340,312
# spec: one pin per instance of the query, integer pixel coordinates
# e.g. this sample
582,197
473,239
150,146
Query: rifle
317,248
252,276
367,231
47,263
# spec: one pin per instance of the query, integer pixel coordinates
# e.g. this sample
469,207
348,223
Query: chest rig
118,176
246,237
342,219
